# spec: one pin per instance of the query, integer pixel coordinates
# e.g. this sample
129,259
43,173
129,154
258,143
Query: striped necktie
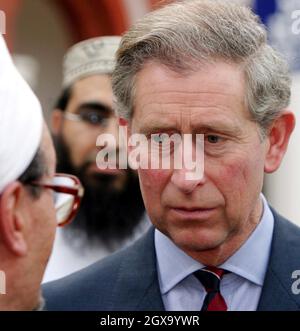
210,278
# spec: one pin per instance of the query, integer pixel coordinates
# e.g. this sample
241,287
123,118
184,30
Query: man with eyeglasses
33,199
112,212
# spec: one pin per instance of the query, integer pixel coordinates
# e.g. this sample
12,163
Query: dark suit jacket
128,280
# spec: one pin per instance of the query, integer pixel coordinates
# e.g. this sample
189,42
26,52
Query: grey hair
34,172
192,32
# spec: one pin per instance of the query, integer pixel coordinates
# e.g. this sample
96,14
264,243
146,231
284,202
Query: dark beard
107,215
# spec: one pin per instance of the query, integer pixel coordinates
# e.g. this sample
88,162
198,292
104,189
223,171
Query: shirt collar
249,261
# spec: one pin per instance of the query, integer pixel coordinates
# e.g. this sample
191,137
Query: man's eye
213,139
159,138
93,118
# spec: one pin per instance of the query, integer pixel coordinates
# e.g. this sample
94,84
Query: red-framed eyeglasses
68,193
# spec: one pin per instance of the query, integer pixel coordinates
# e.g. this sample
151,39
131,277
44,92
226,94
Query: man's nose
181,179
190,173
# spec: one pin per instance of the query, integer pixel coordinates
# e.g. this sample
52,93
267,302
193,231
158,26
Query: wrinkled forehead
216,91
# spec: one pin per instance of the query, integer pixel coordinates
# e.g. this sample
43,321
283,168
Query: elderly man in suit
201,67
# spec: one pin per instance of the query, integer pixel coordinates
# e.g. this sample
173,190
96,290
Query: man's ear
279,136
12,219
57,118
125,123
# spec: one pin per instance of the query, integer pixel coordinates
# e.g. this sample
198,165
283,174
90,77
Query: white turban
21,121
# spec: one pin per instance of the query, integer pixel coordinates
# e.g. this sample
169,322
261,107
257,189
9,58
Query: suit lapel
284,259
137,286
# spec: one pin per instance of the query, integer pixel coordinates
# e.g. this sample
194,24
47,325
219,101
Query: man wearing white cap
112,212
28,214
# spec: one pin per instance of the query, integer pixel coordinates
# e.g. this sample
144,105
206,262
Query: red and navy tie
210,278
